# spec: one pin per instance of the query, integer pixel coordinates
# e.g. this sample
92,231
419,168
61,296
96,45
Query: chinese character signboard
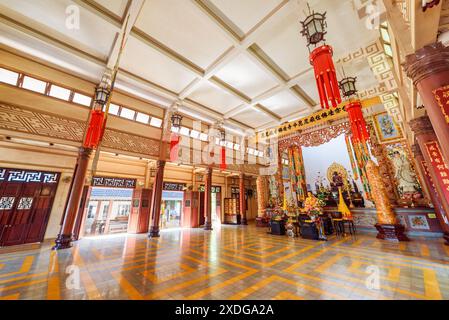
442,97
440,167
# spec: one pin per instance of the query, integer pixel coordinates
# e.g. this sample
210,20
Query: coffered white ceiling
239,60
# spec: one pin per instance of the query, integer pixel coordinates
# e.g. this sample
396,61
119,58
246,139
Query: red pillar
424,134
242,198
433,193
156,199
429,69
65,236
208,199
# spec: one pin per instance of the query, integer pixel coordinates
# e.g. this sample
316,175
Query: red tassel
174,147
223,158
325,75
358,124
95,130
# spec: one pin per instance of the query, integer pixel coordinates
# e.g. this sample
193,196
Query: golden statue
312,204
342,207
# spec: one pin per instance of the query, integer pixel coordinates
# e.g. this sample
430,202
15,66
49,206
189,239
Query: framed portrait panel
387,129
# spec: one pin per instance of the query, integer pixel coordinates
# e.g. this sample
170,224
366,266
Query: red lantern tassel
325,75
95,130
174,147
357,121
223,158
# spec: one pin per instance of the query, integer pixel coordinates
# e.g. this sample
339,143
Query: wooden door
20,218
9,195
41,213
26,220
201,209
139,218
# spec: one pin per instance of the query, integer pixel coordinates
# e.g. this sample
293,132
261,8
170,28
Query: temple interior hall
224,150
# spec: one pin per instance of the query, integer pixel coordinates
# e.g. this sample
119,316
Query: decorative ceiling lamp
176,119
314,29
96,127
354,109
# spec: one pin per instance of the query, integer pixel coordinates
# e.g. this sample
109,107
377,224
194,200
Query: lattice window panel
25,203
6,203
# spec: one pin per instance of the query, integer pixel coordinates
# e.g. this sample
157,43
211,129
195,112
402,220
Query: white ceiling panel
245,14
283,43
115,6
307,83
94,35
146,62
215,98
244,75
184,28
284,103
48,53
253,117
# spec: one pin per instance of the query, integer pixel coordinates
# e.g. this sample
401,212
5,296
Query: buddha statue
337,182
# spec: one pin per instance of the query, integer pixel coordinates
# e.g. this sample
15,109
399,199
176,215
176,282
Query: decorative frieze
112,182
26,176
34,122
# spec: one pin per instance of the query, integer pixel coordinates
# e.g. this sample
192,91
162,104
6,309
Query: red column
242,198
433,193
429,69
156,199
424,134
64,238
207,200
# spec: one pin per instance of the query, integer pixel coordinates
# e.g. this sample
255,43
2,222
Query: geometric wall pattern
382,68
20,119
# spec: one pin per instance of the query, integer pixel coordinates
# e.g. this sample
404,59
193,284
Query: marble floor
231,262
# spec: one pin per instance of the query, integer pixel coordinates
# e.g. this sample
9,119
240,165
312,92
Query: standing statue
404,174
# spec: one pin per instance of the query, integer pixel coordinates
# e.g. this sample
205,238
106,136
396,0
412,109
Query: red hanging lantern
176,119
223,150
325,76
95,129
354,108
314,29
174,146
357,121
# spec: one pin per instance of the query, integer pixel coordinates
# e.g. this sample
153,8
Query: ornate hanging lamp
314,29
95,129
176,119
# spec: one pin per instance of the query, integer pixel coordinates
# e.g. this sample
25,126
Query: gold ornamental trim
442,97
316,118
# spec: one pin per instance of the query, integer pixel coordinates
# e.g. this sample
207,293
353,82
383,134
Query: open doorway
108,211
171,209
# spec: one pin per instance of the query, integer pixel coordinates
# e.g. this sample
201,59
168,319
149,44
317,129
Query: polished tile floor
232,262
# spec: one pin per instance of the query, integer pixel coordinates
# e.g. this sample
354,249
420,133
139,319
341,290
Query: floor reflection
231,262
